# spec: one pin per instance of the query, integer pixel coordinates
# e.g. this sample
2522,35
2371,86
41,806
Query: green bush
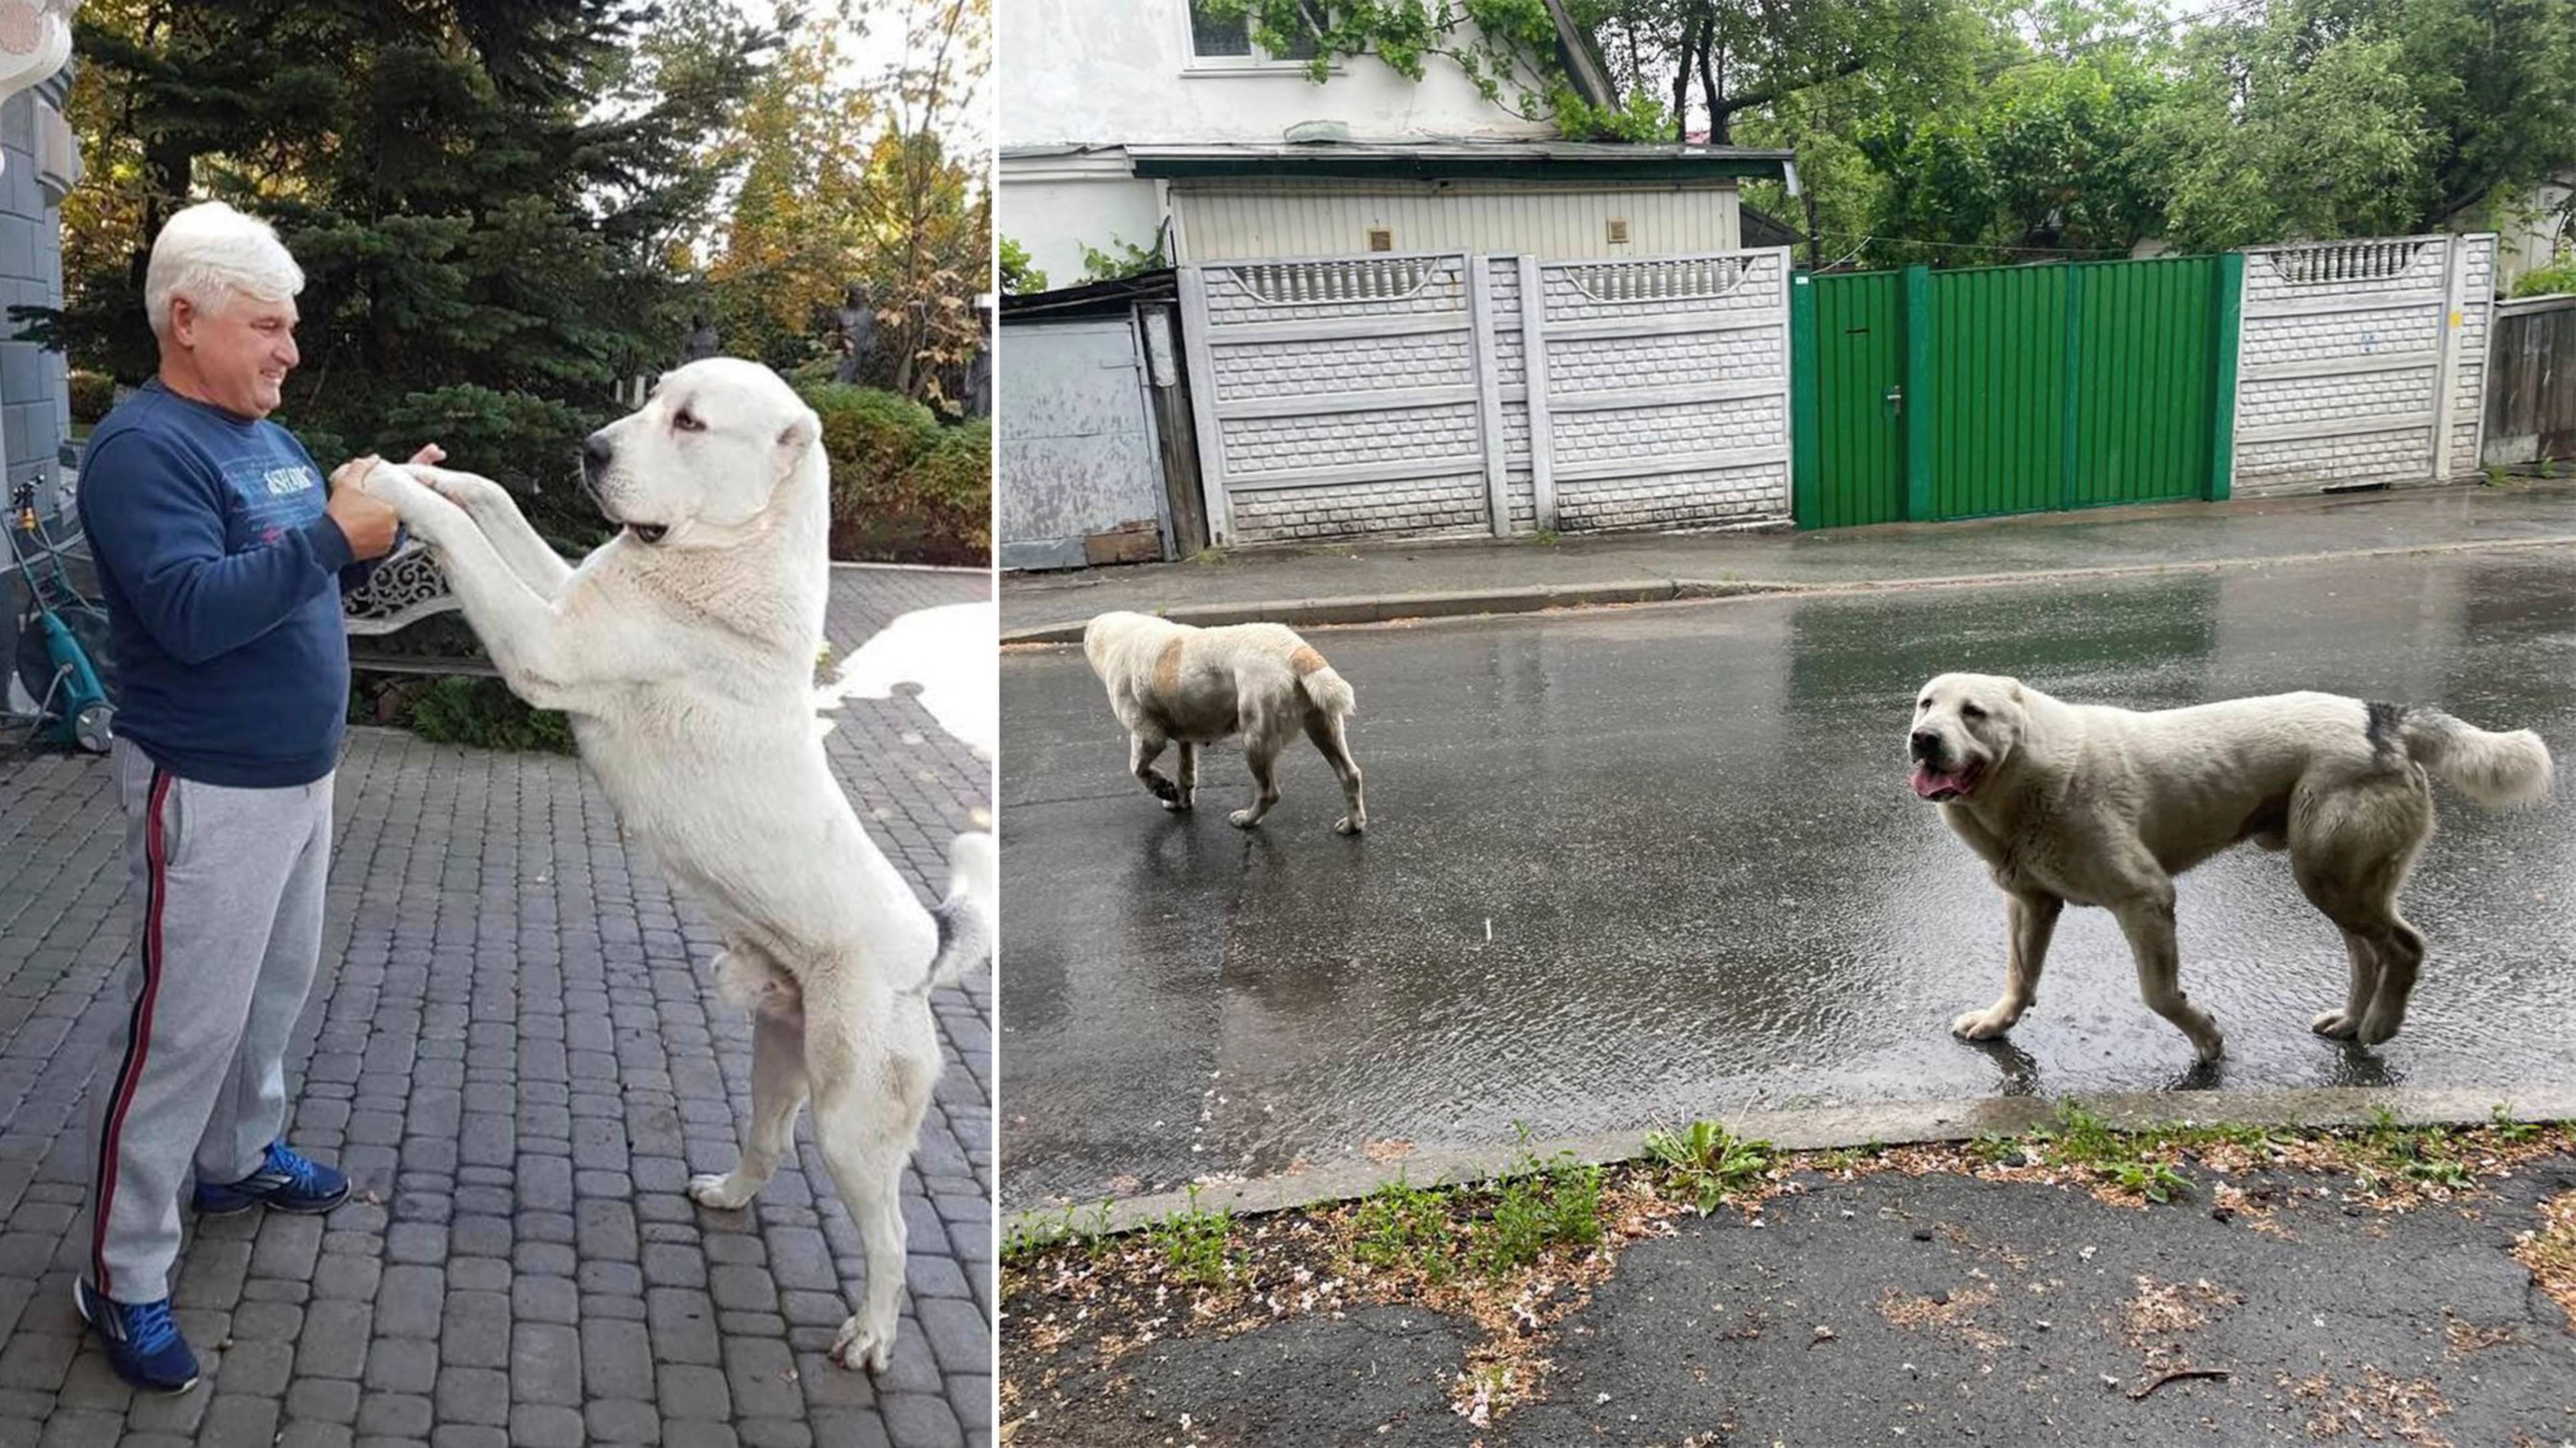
950,487
2557,277
454,709
93,393
528,444
904,489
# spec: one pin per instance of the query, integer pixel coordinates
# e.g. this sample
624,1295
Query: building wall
2531,241
1249,220
35,395
1063,210
1097,72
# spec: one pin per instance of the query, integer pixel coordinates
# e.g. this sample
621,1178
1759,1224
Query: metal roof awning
1461,161
1091,299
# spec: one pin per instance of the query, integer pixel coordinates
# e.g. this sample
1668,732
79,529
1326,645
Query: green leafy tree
486,197
1018,274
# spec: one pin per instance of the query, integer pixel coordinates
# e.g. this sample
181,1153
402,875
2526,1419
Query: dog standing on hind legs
682,651
1171,683
2083,804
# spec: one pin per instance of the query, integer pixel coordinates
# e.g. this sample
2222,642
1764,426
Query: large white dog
2101,806
1171,683
683,650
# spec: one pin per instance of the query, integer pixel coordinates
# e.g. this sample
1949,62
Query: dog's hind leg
2148,922
777,1090
868,1104
1142,750
1187,775
1325,729
2030,921
2351,849
2345,1024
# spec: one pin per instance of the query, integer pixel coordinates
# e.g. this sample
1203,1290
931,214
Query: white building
2536,234
1150,124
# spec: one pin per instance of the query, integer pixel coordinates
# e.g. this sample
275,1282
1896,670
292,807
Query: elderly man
223,566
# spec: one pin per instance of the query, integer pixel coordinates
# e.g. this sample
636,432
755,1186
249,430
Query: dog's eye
1922,704
1971,712
687,421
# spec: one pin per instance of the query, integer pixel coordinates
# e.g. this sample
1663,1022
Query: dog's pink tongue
1929,781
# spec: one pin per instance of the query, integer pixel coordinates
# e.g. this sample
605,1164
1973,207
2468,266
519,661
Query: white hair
209,253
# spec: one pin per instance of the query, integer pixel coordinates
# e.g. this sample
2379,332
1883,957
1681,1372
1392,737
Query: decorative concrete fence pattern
2362,362
1393,396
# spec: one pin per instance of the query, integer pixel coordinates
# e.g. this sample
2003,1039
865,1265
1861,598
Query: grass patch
1194,1243
1708,1161
1537,1205
2153,1180
1405,1228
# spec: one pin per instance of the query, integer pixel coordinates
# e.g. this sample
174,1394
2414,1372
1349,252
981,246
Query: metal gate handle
1893,402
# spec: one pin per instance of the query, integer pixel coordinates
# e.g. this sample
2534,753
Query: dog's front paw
1983,1025
1175,803
2213,1049
725,1193
2335,1025
859,1344
2379,1026
1243,819
1350,824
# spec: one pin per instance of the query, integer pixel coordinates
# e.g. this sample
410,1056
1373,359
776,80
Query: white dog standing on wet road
1171,683
2102,806
684,650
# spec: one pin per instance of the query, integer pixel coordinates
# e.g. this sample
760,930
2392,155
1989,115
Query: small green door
1850,446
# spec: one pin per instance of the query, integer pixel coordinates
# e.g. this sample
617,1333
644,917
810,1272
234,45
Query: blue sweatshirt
222,580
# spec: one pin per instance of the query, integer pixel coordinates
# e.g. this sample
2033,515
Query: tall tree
485,196
933,216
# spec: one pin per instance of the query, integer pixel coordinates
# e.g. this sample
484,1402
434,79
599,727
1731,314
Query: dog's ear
2014,689
800,434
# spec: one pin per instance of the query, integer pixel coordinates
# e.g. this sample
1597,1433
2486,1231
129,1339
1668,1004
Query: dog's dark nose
1923,744
595,453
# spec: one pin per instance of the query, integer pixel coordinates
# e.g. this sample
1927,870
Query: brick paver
515,1048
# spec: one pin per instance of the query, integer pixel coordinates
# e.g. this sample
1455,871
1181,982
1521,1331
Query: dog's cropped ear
799,435
2014,690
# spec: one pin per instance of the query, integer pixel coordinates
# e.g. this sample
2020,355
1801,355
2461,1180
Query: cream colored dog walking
683,650
2102,806
1170,683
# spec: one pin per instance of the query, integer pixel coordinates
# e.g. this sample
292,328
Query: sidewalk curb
1825,1129
1534,598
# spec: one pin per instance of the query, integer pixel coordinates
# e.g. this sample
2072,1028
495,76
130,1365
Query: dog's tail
1327,690
967,918
2500,771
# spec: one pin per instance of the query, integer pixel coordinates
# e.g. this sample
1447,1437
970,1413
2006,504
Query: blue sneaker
285,1182
143,1343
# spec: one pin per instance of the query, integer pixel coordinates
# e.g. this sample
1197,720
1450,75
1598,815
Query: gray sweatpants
228,887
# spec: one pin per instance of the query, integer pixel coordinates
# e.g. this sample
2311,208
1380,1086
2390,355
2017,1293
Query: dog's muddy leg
1143,750
2149,924
1263,755
1189,777
2345,1024
1326,731
2030,922
777,1090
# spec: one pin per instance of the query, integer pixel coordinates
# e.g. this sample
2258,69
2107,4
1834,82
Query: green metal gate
1930,395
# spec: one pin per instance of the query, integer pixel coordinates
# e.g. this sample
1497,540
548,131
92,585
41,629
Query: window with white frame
1224,40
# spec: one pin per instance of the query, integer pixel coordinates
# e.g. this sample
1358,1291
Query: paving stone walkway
515,1049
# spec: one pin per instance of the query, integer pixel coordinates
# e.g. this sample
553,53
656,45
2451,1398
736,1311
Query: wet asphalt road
1707,885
